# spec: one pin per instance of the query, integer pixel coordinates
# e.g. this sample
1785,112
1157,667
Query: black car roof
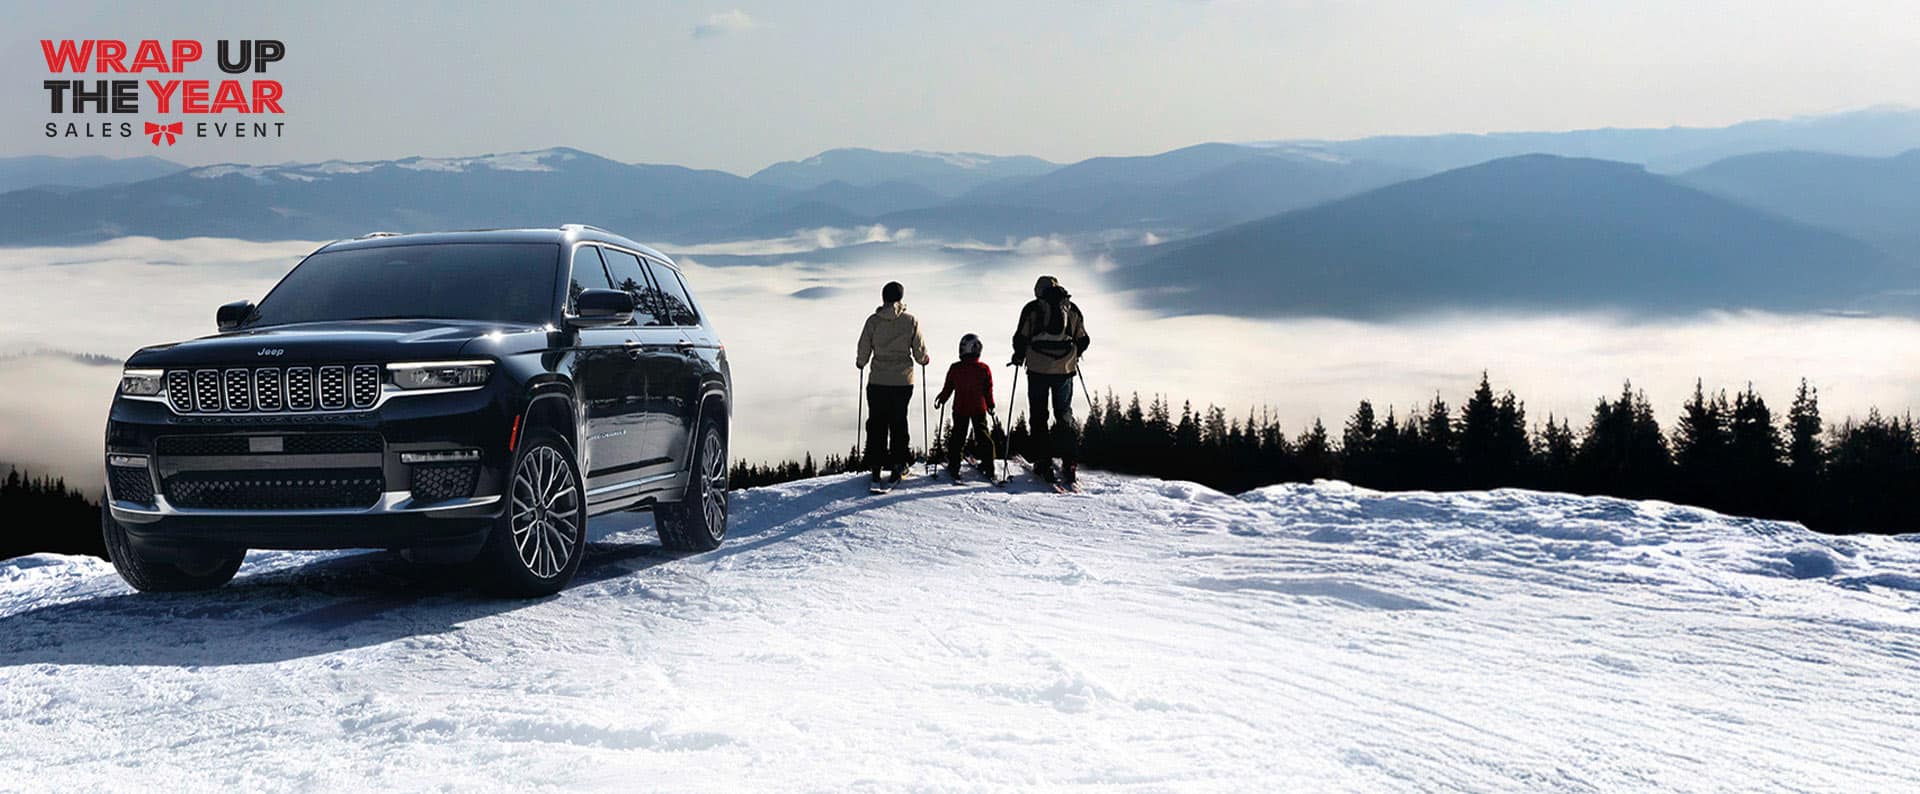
566,235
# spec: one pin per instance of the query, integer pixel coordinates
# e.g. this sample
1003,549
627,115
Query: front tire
202,570
698,522
537,543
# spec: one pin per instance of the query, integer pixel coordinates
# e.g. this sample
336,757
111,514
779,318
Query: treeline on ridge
1733,454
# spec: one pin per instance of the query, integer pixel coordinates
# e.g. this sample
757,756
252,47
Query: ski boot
1044,471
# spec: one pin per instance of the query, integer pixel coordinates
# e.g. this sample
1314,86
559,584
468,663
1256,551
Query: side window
673,300
588,273
628,275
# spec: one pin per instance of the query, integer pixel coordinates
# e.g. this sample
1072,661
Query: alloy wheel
713,497
546,512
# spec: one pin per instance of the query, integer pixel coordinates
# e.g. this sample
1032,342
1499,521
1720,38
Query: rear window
489,282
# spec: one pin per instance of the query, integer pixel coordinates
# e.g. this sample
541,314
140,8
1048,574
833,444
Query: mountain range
1527,232
62,173
1672,219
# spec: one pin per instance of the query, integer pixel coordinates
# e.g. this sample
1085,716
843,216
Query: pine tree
1556,455
1513,448
1186,434
1701,447
1623,452
1755,455
1356,445
1806,460
1315,453
1479,448
1437,465
1019,441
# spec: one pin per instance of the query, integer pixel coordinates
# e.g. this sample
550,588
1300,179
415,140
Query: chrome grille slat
180,390
366,385
243,390
300,389
206,390
267,392
237,387
333,388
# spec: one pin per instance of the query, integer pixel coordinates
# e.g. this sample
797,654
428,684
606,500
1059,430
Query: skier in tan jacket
891,340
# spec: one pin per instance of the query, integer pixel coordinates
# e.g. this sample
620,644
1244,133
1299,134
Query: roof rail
587,226
371,235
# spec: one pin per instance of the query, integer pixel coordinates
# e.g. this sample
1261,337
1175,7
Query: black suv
457,396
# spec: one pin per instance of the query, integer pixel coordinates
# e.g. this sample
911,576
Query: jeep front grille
266,489
334,387
291,444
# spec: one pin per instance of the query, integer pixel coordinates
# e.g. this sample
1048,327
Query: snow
1145,634
537,160
966,160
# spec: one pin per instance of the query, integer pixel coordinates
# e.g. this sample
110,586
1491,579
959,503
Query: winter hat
1040,287
892,292
970,346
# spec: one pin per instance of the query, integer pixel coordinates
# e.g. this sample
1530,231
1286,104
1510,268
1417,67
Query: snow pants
889,445
982,438
1050,393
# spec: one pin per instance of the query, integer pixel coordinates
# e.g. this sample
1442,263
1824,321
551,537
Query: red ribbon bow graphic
169,131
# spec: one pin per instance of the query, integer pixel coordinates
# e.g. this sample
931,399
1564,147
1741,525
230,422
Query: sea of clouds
790,329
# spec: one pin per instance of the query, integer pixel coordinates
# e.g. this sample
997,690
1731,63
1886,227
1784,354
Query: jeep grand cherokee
465,396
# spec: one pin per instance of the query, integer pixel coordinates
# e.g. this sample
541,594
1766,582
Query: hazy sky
737,84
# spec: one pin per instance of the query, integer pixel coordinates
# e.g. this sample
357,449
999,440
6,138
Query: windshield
494,282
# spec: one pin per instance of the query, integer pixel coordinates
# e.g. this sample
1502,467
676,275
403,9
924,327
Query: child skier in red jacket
970,385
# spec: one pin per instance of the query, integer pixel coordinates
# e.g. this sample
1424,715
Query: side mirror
598,307
232,315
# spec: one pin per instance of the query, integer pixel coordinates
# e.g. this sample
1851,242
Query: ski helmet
969,346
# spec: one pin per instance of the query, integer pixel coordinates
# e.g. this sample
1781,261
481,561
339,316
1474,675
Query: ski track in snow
1144,634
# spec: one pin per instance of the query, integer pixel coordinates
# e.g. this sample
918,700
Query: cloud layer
790,331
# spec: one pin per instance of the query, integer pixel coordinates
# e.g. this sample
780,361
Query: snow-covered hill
1146,634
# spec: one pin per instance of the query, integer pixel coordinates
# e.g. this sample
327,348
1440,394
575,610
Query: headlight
142,382
440,374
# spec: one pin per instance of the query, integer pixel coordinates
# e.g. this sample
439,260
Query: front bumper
234,462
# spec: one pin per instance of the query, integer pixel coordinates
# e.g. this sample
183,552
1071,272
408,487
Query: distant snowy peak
948,173
536,160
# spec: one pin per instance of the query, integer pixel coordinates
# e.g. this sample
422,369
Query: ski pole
1085,390
942,424
859,406
926,435
1012,395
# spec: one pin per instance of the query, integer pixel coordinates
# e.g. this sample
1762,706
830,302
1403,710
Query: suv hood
345,342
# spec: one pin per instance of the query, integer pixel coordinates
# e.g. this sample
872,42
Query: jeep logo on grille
271,351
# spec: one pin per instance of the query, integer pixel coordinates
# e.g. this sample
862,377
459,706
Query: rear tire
698,522
537,543
215,567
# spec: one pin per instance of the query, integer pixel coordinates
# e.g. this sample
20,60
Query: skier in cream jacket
891,340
